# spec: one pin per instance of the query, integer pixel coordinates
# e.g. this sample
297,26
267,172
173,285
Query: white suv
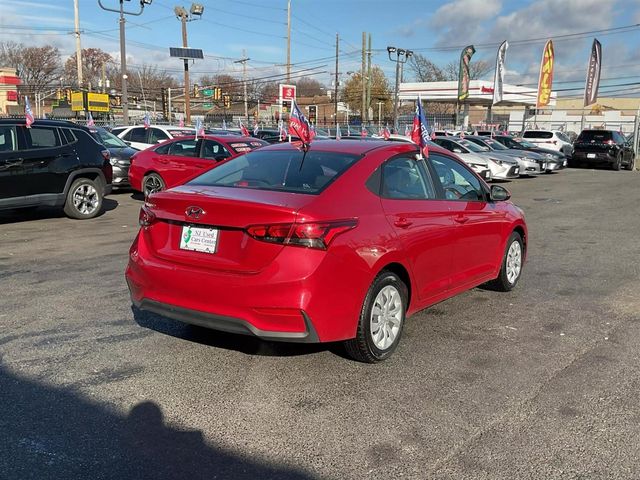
140,137
551,139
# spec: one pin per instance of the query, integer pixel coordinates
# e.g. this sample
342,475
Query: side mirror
499,193
457,150
159,141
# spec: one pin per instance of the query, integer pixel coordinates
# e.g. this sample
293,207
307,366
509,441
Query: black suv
53,163
603,146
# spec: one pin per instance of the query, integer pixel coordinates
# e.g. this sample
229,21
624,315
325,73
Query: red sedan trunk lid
228,210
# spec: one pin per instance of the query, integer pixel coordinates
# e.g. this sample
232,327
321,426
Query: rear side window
68,135
157,135
457,181
241,147
595,136
183,148
8,138
138,135
42,137
281,170
406,178
537,134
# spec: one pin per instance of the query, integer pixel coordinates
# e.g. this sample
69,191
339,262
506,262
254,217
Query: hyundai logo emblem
194,212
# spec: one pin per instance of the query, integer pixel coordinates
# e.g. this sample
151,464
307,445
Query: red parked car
177,160
336,244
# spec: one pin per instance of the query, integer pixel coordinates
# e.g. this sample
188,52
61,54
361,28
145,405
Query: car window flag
147,121
338,132
386,133
256,128
224,123
90,122
420,131
199,128
181,122
28,114
299,125
243,130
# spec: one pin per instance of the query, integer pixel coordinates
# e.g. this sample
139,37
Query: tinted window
406,178
163,149
281,170
138,135
181,133
494,144
596,136
156,135
68,135
241,147
117,130
8,138
474,147
457,181
537,134
183,148
42,137
108,139
214,150
618,138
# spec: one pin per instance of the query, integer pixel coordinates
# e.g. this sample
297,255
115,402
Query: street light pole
123,51
194,14
401,56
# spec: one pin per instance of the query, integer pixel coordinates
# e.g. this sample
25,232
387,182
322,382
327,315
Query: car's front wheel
84,199
381,320
632,163
152,183
617,165
511,267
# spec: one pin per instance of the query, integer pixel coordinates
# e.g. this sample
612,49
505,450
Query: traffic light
67,95
227,100
286,106
196,90
313,113
217,93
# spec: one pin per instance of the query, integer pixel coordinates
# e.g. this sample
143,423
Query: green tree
380,91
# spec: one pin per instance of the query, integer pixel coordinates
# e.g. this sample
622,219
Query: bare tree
228,83
380,90
425,70
477,70
37,67
308,87
93,60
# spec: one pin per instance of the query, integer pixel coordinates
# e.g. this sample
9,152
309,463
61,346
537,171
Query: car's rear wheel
381,320
152,183
511,267
632,164
84,199
617,165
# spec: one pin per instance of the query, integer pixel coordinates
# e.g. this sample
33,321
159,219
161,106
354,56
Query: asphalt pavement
541,382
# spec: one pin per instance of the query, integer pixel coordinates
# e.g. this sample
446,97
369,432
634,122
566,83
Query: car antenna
304,147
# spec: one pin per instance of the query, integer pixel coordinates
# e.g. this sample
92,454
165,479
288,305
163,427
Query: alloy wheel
386,317
85,199
514,262
152,184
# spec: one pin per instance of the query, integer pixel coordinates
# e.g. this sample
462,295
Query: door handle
163,161
402,223
14,161
461,219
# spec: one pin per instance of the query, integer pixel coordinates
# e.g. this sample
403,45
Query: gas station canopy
480,93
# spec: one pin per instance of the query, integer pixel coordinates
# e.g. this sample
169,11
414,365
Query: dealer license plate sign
591,155
199,239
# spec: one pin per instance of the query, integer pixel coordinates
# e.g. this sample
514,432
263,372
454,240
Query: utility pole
401,56
363,115
288,41
335,96
369,79
78,46
123,52
187,99
104,77
244,61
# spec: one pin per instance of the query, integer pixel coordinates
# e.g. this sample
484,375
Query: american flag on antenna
386,133
338,132
147,120
90,122
243,130
224,124
282,132
420,130
181,121
28,114
256,128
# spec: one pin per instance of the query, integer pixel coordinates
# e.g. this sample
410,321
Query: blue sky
434,28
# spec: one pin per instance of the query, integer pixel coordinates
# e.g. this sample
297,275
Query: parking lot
541,382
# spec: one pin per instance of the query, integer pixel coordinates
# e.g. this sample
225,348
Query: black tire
152,183
617,165
502,283
631,165
572,164
84,199
363,347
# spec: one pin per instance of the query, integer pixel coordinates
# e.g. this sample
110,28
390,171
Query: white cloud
461,21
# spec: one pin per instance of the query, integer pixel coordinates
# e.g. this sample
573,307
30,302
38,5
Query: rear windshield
474,147
243,147
181,133
597,136
537,134
281,170
524,143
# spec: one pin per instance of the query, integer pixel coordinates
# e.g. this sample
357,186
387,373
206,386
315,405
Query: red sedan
175,161
336,244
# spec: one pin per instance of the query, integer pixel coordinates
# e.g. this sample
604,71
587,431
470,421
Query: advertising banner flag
593,74
498,81
546,76
463,75
28,113
420,131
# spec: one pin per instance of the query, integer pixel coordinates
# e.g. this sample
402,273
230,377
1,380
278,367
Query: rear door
13,182
47,160
181,162
137,138
478,222
421,221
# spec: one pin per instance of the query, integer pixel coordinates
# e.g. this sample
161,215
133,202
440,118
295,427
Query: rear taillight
132,158
311,235
610,142
146,217
106,155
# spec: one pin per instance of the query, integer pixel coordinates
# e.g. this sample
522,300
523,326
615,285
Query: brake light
316,235
146,218
610,142
106,155
132,158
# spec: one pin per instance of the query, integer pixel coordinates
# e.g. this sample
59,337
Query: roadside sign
77,101
207,92
207,105
98,102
